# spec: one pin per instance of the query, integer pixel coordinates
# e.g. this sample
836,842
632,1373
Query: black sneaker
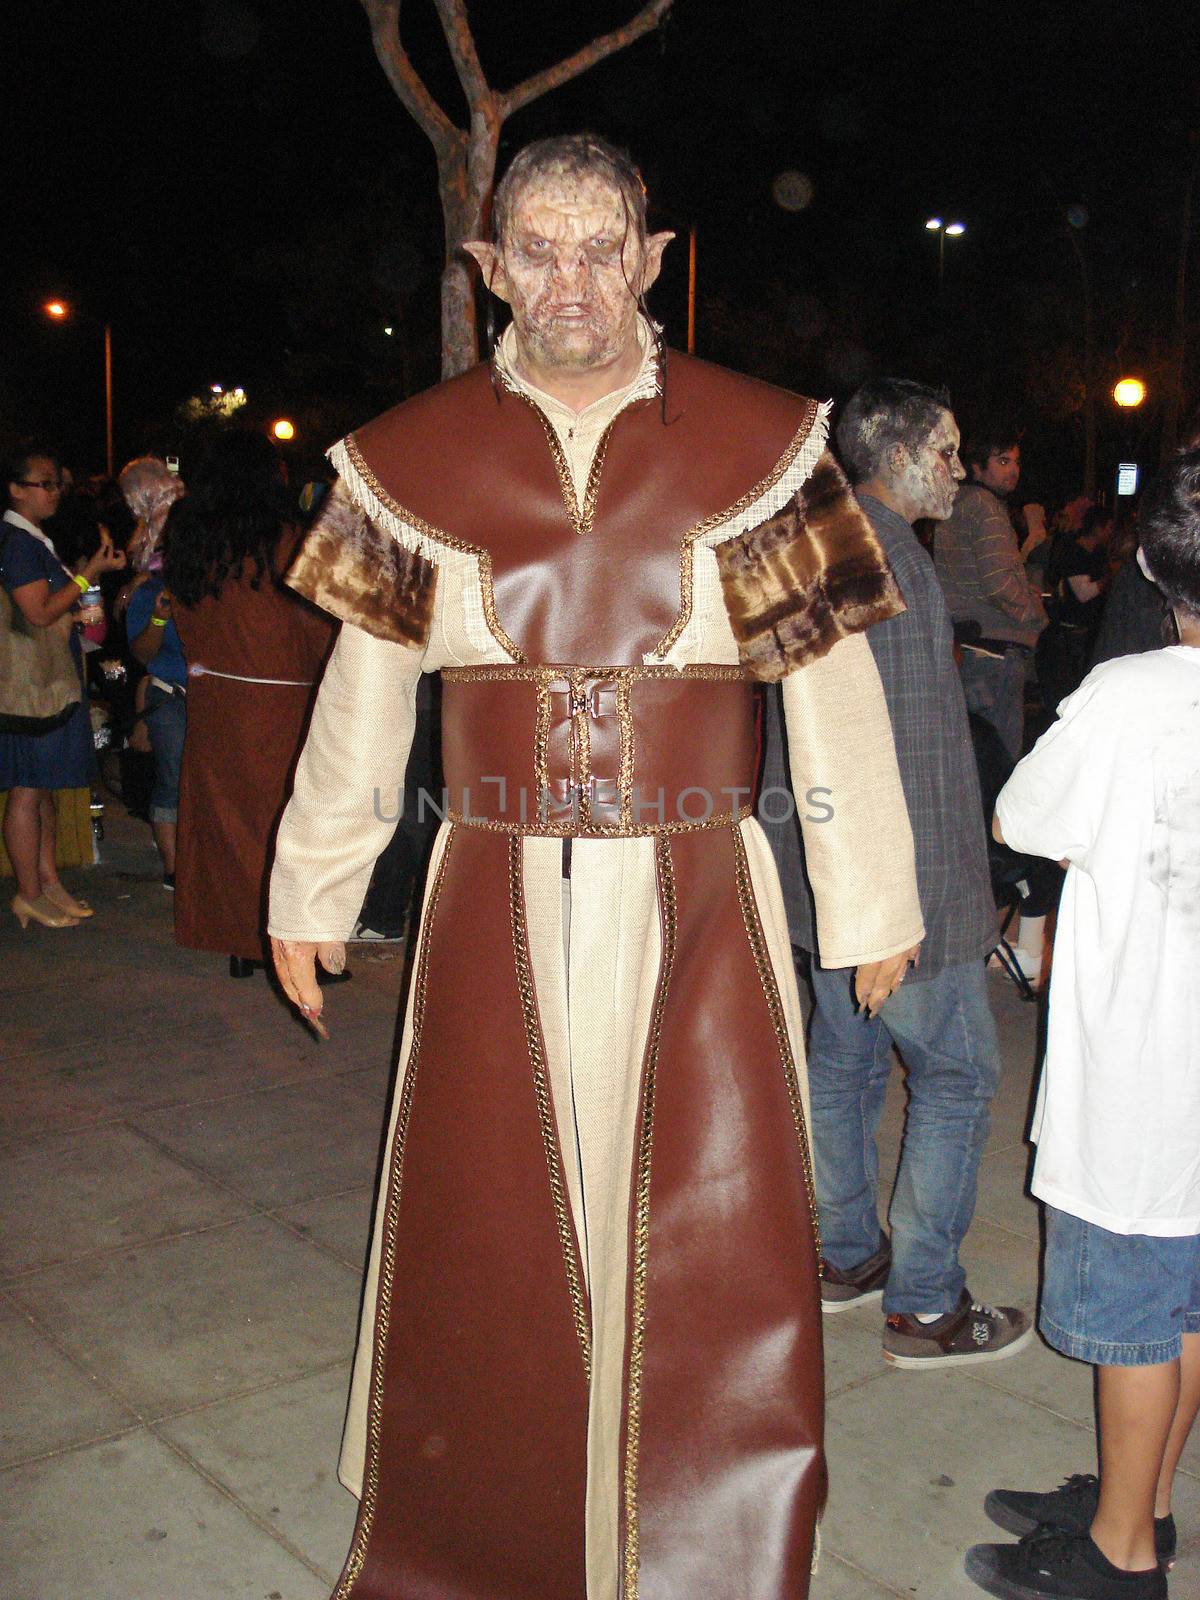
1054,1564
971,1332
1072,1505
860,1285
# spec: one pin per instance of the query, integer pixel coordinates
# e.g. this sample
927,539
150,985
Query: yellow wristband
78,577
158,622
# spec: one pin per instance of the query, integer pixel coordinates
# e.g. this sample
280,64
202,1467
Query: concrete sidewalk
186,1180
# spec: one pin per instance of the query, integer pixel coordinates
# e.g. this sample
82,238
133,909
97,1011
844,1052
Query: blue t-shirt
169,664
24,559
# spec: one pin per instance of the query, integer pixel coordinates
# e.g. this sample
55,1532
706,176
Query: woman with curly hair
255,651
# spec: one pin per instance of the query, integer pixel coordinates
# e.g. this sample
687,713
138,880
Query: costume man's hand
874,981
296,967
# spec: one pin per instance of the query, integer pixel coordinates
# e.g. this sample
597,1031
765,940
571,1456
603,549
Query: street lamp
953,230
1129,393
283,429
59,311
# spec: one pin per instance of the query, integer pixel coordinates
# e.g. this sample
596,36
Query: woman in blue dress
32,766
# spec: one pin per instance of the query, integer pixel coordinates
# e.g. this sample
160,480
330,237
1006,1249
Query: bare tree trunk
466,159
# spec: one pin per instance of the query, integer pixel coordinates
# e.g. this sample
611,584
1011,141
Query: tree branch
650,16
384,17
452,14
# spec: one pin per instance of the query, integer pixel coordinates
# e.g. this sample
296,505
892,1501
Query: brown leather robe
480,1475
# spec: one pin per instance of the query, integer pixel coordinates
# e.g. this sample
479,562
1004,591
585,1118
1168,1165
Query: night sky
233,185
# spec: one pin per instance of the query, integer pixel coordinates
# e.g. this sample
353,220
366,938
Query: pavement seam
985,1382
46,1331
257,1207
161,1418
827,1553
259,1521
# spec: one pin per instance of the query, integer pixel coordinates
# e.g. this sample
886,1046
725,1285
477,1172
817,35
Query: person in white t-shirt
1113,791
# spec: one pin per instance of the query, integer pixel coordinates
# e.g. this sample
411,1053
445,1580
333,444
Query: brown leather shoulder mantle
475,466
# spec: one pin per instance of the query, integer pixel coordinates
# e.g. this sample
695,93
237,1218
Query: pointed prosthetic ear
652,262
490,265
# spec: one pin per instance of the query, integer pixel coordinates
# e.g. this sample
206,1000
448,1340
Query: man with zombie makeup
899,441
590,1359
978,560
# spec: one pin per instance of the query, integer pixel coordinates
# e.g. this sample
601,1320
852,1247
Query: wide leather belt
597,752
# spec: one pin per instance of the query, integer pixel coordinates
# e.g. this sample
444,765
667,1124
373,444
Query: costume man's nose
570,269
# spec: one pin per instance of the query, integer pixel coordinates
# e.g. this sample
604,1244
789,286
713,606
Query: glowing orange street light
283,429
1129,393
60,311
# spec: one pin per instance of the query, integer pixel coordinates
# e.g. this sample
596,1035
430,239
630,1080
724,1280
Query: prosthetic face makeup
929,481
571,267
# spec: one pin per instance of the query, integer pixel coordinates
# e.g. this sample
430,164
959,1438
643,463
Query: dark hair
883,414
234,511
990,436
572,155
16,463
1170,531
1094,518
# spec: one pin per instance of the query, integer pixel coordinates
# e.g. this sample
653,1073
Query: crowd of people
907,623
167,605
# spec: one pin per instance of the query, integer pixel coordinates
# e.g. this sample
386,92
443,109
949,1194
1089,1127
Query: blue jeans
166,722
994,689
946,1037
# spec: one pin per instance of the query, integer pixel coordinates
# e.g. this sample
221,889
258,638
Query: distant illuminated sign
1127,479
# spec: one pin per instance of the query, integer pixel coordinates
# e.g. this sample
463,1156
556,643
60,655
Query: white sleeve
858,843
1053,802
349,787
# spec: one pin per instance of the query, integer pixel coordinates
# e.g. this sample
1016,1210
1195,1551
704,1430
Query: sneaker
1072,1505
970,1333
363,934
169,881
860,1285
1054,1563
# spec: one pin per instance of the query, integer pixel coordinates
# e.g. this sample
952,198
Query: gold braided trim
599,830
625,768
581,750
387,1267
582,516
438,536
541,739
547,674
641,1230
766,976
688,543
537,1058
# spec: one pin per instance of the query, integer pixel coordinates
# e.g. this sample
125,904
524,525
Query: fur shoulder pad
348,566
800,581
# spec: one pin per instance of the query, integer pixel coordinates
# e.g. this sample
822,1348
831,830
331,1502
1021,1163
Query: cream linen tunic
595,952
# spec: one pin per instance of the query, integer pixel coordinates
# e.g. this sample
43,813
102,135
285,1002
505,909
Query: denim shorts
1117,1299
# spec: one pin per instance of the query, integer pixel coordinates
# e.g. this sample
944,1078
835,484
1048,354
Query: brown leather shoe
860,1285
971,1332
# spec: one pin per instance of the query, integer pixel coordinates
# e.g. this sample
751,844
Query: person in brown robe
590,1355
255,652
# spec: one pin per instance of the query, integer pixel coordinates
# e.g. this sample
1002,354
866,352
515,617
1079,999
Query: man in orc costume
590,1358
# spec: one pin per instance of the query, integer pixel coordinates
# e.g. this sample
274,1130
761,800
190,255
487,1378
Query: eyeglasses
50,485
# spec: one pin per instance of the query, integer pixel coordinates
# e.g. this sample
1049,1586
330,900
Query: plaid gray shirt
914,654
